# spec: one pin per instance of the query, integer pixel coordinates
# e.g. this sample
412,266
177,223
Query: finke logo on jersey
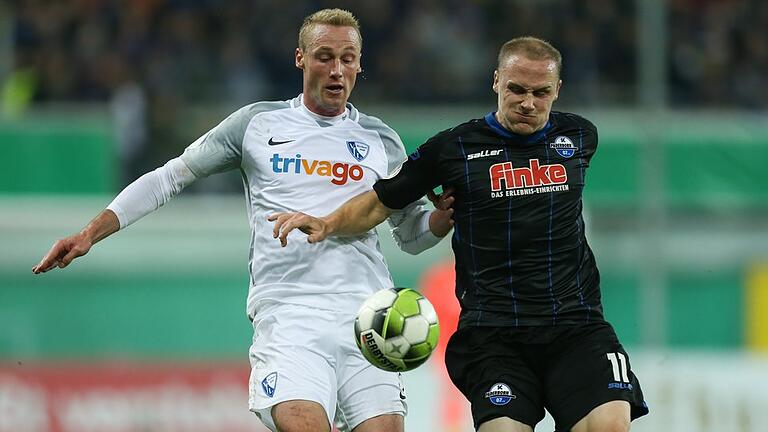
484,153
563,146
269,384
359,150
339,172
500,394
524,177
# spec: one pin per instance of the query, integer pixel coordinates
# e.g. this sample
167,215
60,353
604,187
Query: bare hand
441,220
63,252
316,228
444,201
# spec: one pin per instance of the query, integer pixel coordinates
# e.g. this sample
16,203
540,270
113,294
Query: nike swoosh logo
272,142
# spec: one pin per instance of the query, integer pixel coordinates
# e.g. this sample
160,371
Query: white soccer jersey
294,160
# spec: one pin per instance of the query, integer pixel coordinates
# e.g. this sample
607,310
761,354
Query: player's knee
302,425
382,423
614,423
612,416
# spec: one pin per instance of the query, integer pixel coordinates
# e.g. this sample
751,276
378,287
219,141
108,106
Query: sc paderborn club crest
359,150
500,394
563,146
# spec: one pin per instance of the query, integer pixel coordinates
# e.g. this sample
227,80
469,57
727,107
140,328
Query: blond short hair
334,17
532,48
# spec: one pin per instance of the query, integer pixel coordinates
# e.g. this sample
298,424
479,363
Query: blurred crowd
235,51
718,53
151,58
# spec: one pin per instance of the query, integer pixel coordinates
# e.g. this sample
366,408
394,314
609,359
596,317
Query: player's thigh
366,395
382,423
494,374
613,416
589,368
300,416
284,371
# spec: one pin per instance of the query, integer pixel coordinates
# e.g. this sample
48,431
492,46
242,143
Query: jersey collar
350,112
494,124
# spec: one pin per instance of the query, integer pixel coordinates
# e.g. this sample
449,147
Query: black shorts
517,372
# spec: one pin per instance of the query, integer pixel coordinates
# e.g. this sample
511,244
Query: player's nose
336,68
527,104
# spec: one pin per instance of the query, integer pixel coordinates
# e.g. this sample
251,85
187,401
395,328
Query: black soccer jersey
522,258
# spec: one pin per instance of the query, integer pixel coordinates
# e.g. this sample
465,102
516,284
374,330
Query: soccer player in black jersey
531,333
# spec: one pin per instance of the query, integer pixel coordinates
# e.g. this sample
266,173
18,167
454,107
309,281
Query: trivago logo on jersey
524,177
339,172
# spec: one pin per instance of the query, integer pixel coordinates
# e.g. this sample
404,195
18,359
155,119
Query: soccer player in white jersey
310,154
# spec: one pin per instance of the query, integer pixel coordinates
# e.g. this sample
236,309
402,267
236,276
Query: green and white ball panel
395,323
372,314
416,329
427,310
396,329
397,347
407,302
381,299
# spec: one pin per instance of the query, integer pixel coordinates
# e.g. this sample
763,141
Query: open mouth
335,88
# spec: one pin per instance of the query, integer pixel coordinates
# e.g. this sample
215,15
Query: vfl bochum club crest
563,146
500,394
269,383
359,150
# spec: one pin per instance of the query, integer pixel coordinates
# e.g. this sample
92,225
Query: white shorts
300,353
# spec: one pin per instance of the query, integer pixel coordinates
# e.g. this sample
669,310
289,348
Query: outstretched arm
355,217
217,150
67,249
148,193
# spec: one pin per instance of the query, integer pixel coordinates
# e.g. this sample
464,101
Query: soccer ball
396,329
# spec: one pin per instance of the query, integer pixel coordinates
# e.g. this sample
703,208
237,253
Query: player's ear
557,90
496,81
299,59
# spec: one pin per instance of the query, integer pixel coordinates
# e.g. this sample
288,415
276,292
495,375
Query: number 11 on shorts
619,365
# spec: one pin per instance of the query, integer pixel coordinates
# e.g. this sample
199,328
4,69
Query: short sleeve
417,175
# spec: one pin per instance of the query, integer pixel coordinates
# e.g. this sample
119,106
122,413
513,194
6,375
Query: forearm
357,216
150,191
101,227
65,250
411,229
